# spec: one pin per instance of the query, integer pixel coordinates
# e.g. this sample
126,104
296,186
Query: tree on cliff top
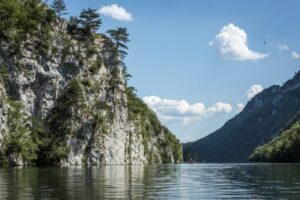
59,7
120,38
90,21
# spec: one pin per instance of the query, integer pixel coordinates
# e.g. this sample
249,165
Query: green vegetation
284,148
23,18
150,127
3,73
33,26
61,124
90,21
120,38
73,25
261,120
21,141
59,7
175,145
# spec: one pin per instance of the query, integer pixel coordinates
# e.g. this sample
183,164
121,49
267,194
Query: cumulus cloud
254,90
186,138
295,55
170,110
283,47
219,107
233,45
116,12
240,107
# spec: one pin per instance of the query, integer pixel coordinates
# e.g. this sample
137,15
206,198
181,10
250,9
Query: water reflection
203,181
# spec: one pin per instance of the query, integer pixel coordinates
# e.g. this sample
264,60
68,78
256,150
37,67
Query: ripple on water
184,181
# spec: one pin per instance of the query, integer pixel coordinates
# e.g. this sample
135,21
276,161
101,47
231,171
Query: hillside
262,119
64,98
284,148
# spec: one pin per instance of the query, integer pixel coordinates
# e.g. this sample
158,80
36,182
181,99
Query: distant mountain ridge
262,119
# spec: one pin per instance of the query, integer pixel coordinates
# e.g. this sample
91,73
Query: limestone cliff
72,105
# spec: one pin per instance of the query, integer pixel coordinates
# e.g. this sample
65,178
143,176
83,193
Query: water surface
183,181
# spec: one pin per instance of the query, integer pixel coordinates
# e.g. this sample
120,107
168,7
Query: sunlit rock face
3,112
79,95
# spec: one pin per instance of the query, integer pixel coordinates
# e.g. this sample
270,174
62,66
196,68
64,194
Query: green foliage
10,12
22,18
28,138
59,7
60,152
71,99
262,119
126,75
90,21
91,50
95,67
73,25
120,38
22,138
137,108
114,81
284,148
60,124
150,126
86,82
3,73
175,145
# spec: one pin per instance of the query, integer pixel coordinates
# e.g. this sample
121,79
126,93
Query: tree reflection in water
197,181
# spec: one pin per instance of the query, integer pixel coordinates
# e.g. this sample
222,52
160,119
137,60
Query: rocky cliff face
261,120
3,112
78,105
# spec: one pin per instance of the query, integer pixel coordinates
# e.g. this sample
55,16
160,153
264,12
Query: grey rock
39,80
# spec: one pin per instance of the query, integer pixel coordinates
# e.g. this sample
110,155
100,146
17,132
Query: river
180,181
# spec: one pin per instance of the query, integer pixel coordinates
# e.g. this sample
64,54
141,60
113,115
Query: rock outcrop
3,111
77,102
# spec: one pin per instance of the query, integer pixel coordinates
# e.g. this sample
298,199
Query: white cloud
283,47
219,107
181,111
295,55
186,138
254,90
240,107
116,12
232,44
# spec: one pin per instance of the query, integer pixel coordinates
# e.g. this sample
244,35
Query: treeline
284,148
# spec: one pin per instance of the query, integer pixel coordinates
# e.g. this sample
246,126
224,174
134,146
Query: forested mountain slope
284,148
262,119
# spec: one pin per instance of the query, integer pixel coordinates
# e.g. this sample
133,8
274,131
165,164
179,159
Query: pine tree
59,7
90,21
73,25
120,38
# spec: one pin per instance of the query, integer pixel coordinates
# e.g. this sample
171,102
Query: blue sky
190,60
